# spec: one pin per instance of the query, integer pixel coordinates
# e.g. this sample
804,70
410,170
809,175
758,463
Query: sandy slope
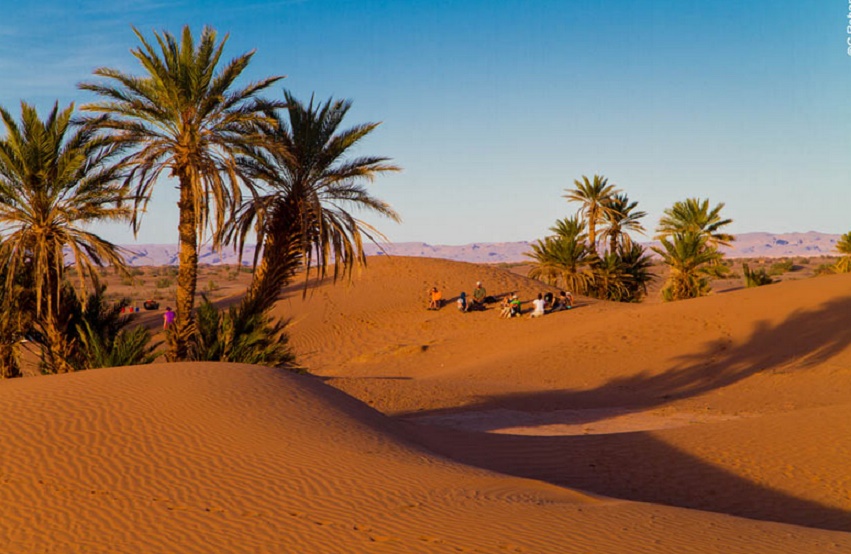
752,385
736,405
201,458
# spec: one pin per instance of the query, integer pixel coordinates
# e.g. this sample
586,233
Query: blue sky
493,108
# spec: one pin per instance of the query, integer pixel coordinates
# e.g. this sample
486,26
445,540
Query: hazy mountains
747,245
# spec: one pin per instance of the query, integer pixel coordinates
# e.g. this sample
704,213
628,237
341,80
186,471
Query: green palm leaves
562,259
569,258
595,198
310,185
687,255
690,234
184,115
55,182
693,215
843,246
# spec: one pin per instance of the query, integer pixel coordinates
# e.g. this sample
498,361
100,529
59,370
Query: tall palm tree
687,255
561,259
303,216
693,215
54,183
185,116
595,198
621,217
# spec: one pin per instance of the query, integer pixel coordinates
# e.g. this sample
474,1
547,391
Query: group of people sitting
543,304
511,304
464,304
477,302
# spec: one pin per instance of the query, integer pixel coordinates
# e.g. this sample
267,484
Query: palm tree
303,217
595,197
561,259
636,270
183,115
620,218
53,184
687,254
693,215
843,246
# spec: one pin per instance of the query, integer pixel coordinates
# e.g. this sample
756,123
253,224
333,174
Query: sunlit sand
720,424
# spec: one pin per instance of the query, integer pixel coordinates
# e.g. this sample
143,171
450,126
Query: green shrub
756,278
825,269
779,268
163,283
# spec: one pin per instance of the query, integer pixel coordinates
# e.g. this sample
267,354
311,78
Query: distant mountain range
747,245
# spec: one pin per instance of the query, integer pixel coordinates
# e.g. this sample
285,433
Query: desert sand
721,424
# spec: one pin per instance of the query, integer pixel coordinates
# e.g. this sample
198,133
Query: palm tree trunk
57,349
9,366
187,273
592,233
280,260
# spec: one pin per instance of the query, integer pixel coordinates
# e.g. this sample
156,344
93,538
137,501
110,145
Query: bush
756,278
779,268
825,269
164,283
240,335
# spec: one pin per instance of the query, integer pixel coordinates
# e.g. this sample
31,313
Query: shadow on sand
803,340
631,466
638,466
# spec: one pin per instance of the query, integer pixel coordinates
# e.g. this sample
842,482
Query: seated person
538,306
462,302
516,308
505,307
548,300
479,294
563,302
435,299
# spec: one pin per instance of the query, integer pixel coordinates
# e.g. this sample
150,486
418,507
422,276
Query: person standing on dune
436,299
168,318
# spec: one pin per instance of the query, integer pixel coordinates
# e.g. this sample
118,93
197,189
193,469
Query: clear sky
494,107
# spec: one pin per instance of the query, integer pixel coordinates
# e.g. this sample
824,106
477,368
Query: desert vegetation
843,246
571,257
593,253
183,117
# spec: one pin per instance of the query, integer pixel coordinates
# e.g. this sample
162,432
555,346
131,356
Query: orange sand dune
714,425
230,458
735,403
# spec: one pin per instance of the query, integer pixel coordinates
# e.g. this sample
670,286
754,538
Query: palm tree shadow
639,466
804,339
631,466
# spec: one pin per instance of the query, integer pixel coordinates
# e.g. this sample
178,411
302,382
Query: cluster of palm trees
244,165
593,253
571,257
